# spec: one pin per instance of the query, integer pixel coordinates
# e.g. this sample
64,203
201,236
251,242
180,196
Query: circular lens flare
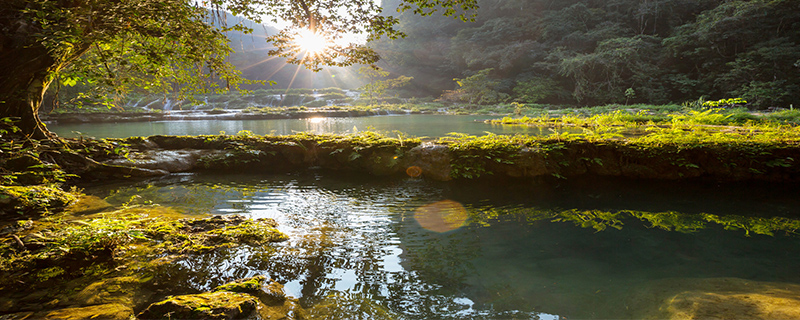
311,42
442,216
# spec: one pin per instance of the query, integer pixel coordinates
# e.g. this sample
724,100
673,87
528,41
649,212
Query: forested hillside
589,52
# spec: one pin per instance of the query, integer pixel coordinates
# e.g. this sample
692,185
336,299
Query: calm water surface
433,126
370,248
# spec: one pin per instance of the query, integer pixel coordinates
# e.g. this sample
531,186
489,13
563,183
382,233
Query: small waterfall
147,106
167,105
134,105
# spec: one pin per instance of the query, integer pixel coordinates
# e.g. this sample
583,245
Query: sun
311,42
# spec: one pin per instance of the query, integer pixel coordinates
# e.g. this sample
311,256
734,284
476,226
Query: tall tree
40,38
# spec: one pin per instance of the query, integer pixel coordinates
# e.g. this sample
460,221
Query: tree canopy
592,52
169,44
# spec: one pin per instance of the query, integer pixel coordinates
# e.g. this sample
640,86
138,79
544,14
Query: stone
86,204
434,161
166,160
269,292
112,311
209,305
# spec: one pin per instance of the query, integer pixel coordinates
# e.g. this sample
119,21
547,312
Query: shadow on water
578,249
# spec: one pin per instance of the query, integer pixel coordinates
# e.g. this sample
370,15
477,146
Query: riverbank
73,250
659,156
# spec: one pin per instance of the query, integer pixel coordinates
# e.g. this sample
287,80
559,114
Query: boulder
112,311
433,160
269,292
209,305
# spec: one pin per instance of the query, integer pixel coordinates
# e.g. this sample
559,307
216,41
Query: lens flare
311,42
414,171
442,216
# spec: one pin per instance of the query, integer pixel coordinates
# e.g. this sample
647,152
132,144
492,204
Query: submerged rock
209,305
87,205
112,311
716,298
248,298
269,292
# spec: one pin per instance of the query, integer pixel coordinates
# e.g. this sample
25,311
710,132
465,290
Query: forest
475,159
583,52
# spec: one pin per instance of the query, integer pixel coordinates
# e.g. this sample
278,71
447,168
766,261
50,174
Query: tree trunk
27,71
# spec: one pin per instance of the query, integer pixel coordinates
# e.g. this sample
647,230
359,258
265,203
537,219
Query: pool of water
371,248
433,126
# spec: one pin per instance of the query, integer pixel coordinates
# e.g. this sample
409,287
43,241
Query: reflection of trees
670,221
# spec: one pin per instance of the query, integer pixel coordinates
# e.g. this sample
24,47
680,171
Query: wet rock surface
209,305
251,298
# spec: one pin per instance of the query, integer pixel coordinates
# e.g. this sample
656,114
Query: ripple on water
522,251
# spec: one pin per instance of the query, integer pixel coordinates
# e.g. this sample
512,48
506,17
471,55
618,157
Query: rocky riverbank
463,158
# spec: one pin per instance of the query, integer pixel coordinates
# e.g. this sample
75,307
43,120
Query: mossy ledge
469,157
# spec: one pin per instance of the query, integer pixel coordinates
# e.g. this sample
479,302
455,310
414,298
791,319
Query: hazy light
315,120
311,42
442,216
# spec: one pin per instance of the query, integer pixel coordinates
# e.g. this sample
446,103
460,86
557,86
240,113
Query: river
432,126
402,248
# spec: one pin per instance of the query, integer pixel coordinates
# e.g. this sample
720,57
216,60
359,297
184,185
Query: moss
249,285
87,204
209,305
105,311
251,232
40,199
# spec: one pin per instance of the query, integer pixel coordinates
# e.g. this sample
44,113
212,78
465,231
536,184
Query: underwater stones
433,159
86,204
209,305
120,290
269,292
715,298
112,311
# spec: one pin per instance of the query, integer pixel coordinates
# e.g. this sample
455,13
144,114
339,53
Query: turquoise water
370,248
433,126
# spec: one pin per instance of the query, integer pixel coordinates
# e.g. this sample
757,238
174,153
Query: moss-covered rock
39,199
209,305
111,311
269,292
125,290
85,204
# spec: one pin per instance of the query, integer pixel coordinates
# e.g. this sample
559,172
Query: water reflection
433,126
496,250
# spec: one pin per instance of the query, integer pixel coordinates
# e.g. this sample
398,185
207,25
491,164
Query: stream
374,248
433,126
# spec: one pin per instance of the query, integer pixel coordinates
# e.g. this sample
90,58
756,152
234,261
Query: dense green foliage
170,45
623,51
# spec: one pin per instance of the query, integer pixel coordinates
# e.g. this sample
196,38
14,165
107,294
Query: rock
209,305
269,292
715,298
433,160
110,311
87,205
120,290
166,160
